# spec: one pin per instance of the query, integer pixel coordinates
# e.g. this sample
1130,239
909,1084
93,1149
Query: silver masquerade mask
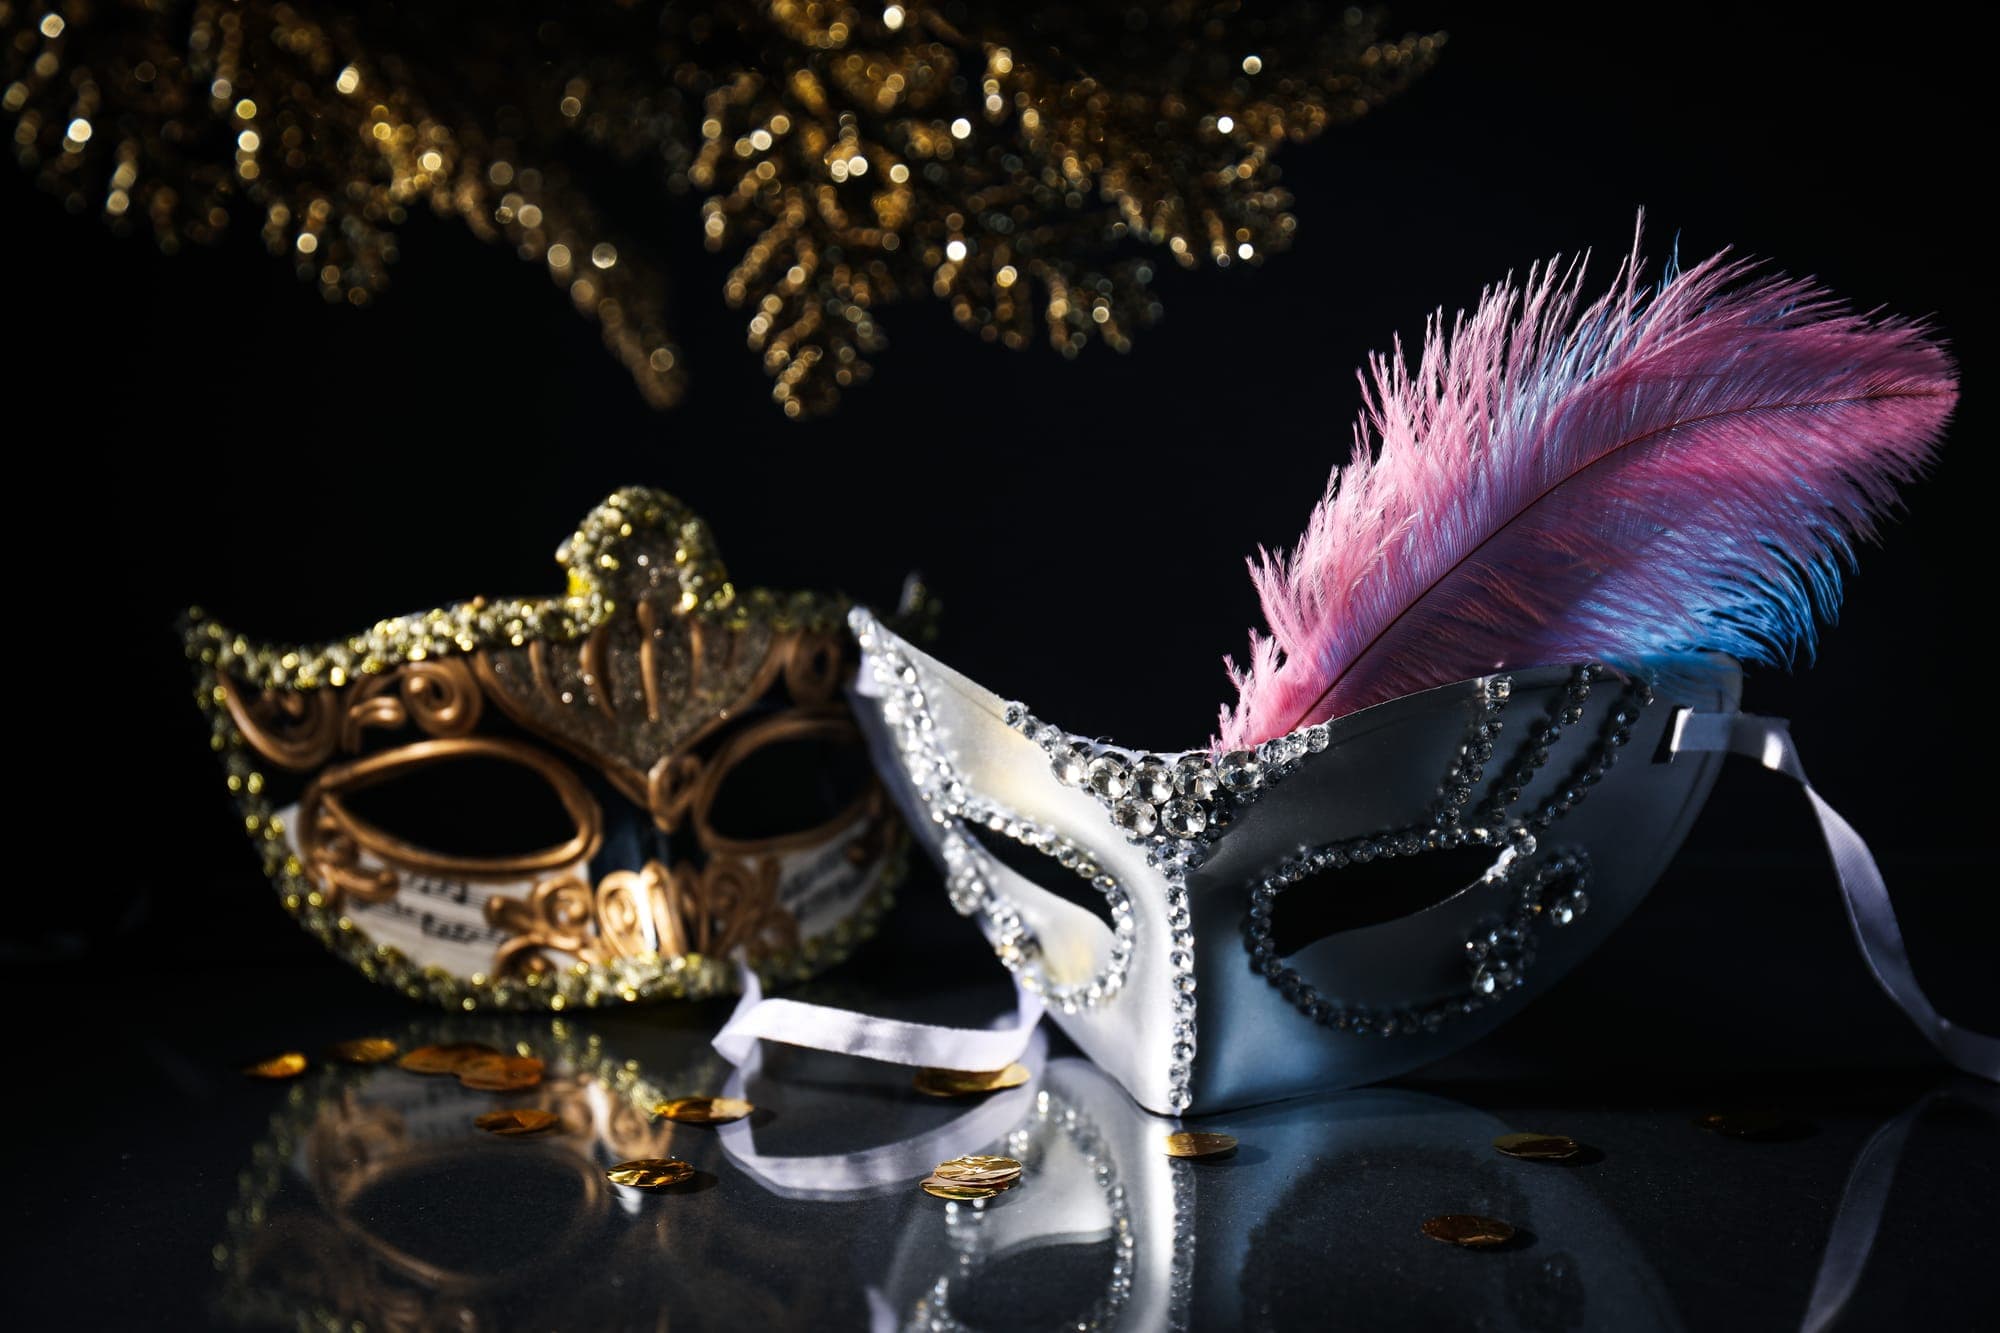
1425,806
1559,786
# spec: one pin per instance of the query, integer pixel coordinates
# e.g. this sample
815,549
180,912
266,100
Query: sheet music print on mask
431,916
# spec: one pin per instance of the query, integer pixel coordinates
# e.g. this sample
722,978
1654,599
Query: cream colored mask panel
594,798
1329,909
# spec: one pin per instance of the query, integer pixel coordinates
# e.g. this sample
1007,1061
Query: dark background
204,428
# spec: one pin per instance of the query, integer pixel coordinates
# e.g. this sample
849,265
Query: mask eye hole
1356,896
450,806
1043,871
789,777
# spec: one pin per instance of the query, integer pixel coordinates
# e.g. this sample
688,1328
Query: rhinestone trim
1176,809
968,866
1497,957
968,880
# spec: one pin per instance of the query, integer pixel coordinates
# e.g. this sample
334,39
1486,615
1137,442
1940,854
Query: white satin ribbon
887,1168
1869,911
822,1028
891,1166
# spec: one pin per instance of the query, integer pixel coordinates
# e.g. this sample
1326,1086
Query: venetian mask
1429,801
1330,908
591,798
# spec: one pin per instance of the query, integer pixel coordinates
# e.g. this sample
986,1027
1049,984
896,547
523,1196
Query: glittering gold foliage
1025,164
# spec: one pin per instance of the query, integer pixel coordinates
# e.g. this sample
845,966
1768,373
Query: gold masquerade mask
701,786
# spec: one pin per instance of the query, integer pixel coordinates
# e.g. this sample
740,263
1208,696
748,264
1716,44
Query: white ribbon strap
1869,911
823,1028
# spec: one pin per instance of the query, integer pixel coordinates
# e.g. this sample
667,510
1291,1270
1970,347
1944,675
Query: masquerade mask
1418,816
698,787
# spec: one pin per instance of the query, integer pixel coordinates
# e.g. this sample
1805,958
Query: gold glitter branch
1016,162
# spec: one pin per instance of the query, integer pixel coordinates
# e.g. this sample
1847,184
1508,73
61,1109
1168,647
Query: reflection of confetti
517,1122
1019,166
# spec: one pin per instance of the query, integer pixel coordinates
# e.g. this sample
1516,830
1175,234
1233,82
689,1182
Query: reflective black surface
162,1188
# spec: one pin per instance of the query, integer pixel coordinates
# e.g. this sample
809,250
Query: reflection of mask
701,785
1108,1231
374,1200
1194,861
317,1238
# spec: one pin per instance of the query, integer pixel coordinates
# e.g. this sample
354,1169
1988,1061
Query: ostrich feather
1665,471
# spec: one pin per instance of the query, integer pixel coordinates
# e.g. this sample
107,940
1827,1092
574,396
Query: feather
1668,471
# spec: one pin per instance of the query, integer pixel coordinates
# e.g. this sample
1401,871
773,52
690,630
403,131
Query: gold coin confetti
967,1083
516,1122
501,1073
1468,1229
979,1169
704,1110
1538,1147
1199,1143
289,1065
444,1059
651,1173
1745,1124
362,1051
957,1192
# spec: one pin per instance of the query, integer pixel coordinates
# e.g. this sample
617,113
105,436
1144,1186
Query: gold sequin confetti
957,1192
444,1059
362,1051
1469,1229
1746,1124
289,1065
651,1173
501,1073
517,1122
979,1169
967,1083
704,1110
843,155
1538,1147
1199,1143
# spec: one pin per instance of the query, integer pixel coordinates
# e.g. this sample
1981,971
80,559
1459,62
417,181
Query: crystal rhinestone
1499,689
1108,776
1184,819
1194,779
1569,907
1485,981
1015,715
1318,736
1069,767
1134,817
1239,771
1152,780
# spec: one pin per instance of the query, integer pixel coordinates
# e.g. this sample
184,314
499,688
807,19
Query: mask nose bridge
967,754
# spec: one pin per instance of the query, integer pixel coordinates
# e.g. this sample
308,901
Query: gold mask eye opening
808,780
334,836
